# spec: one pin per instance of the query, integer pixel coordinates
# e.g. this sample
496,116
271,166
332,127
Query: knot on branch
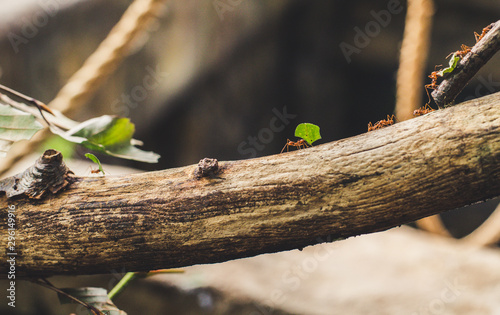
48,174
206,167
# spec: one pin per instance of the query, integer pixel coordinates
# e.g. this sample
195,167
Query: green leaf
308,132
57,143
106,131
111,135
452,65
87,294
97,297
15,125
108,134
95,160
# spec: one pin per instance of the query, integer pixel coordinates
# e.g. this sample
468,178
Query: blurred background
206,80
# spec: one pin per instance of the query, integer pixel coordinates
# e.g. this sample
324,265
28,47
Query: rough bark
363,184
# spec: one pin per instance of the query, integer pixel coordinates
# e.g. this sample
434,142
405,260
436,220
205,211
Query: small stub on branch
206,168
48,174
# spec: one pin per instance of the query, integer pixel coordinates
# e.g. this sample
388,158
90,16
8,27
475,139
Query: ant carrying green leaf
309,134
95,160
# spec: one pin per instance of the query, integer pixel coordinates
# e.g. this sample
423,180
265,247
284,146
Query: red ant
381,123
434,76
299,144
423,110
485,30
96,171
438,73
460,53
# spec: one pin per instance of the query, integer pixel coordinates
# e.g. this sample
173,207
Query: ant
485,30
96,171
381,123
423,110
460,53
299,144
434,76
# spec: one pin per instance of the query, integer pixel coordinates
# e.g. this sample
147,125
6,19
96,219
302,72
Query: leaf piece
15,125
451,65
308,132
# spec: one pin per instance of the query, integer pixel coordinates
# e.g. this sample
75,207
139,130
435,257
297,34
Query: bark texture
367,183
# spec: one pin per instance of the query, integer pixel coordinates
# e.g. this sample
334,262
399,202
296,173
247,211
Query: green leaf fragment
106,131
308,132
15,125
452,65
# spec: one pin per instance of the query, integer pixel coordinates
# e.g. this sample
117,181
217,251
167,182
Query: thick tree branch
367,183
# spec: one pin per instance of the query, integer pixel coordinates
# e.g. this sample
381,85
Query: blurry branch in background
165,219
96,69
487,233
413,57
108,56
411,72
468,66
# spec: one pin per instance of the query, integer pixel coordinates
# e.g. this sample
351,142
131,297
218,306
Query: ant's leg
286,146
477,36
427,87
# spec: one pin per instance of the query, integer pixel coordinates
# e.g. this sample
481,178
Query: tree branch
468,66
367,183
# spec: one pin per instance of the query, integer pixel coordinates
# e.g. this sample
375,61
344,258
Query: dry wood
371,182
48,174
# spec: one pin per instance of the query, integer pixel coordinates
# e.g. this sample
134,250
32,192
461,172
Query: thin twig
130,276
40,105
468,67
124,282
414,53
413,56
